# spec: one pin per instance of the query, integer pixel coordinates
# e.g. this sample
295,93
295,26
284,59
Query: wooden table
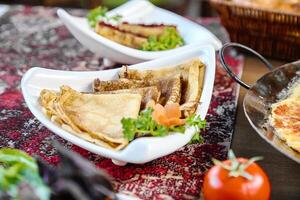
283,172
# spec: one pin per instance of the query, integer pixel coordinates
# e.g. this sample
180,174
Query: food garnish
99,14
170,39
146,125
285,118
19,171
236,178
168,115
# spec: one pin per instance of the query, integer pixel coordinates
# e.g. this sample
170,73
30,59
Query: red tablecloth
33,36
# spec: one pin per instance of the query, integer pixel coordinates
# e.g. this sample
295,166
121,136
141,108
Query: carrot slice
173,110
175,122
168,115
159,115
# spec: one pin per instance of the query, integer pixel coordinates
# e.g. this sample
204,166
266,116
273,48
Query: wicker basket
273,34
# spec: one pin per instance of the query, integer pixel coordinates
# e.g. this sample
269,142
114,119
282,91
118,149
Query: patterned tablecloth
33,36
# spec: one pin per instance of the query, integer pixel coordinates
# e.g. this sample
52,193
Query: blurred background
270,27
183,7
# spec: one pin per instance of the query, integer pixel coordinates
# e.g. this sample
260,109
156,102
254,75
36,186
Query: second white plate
137,11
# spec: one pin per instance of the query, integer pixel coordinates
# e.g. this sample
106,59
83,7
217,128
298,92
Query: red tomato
219,185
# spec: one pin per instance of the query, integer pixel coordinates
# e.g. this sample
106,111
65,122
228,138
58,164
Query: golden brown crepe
182,69
193,88
120,84
192,79
143,29
170,87
93,117
150,95
47,99
285,118
122,37
170,90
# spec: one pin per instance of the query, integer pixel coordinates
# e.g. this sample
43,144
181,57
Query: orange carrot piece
173,110
168,115
159,114
175,122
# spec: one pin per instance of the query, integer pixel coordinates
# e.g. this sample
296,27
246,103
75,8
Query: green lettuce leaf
170,39
16,168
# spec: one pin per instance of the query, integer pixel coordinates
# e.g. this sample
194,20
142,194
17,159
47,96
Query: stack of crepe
96,117
179,84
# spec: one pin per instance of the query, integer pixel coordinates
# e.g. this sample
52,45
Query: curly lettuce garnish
170,39
99,14
145,125
196,121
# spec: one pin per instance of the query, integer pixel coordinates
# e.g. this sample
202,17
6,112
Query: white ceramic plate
141,150
137,11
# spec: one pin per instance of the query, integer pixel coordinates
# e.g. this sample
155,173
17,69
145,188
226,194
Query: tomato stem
235,167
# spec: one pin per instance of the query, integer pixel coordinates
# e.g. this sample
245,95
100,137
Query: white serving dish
141,150
137,11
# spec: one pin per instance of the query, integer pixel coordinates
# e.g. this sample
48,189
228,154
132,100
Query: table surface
283,172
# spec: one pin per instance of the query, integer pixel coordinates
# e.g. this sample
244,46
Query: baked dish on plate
141,103
285,117
272,106
143,36
136,31
131,114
